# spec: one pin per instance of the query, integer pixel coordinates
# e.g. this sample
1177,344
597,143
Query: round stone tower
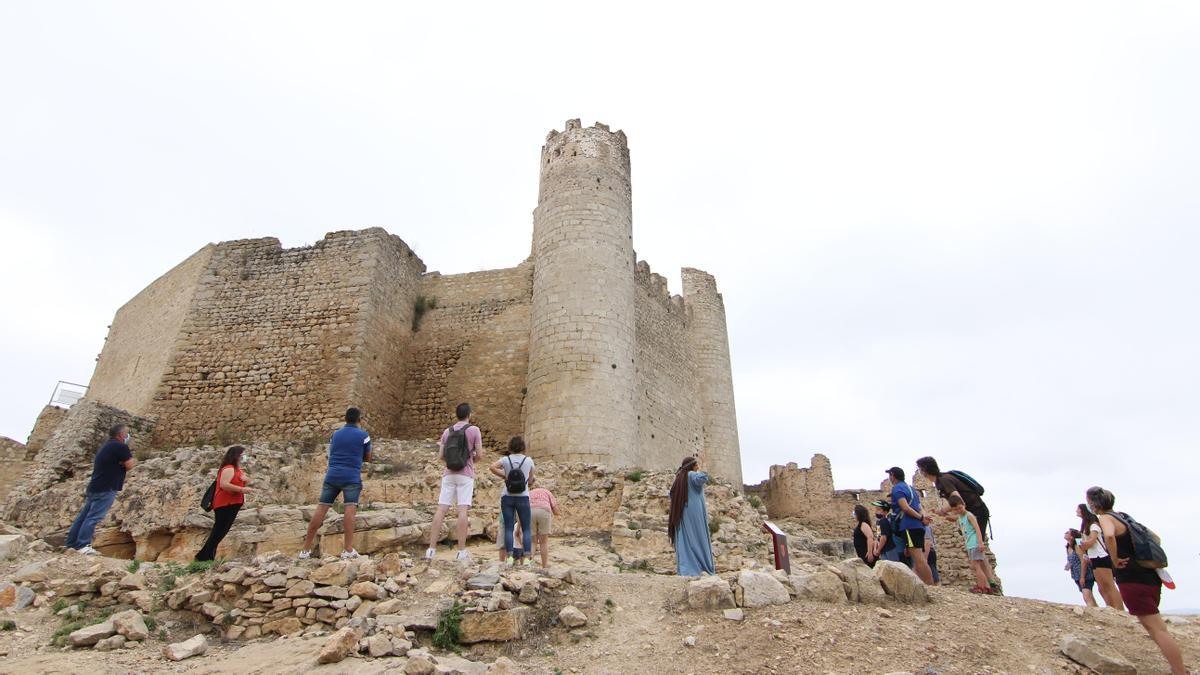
579,404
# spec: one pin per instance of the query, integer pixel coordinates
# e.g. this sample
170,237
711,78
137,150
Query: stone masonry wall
582,348
45,426
668,410
473,346
384,342
275,342
709,344
142,339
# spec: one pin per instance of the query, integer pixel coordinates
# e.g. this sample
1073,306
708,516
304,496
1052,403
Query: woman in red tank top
227,500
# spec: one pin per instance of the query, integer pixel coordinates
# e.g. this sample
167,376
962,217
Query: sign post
779,541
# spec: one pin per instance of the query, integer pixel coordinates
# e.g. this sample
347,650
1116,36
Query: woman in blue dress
687,523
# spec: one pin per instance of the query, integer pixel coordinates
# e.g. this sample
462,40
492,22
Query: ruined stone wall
472,345
143,337
45,426
709,342
275,343
668,410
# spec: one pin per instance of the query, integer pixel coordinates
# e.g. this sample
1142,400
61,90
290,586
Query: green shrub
199,566
151,623
449,628
8,625
714,524
755,501
635,475
134,565
59,605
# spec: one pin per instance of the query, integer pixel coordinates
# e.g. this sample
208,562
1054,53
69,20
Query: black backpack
1147,546
207,500
515,481
456,453
972,484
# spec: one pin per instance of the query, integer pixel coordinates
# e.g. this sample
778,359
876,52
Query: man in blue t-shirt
348,449
906,504
113,459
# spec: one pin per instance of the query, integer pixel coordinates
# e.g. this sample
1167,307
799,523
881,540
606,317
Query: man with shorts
907,505
458,484
348,449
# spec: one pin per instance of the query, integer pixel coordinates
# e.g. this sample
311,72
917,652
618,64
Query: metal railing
67,394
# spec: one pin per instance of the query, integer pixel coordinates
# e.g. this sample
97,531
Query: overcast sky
950,230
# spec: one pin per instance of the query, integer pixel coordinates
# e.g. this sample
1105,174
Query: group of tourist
1101,553
903,529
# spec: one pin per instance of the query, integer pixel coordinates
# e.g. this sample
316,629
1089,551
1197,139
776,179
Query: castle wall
581,384
668,410
471,345
43,428
385,334
142,338
709,342
274,343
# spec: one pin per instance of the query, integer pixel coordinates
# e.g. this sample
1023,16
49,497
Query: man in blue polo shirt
113,459
348,449
907,504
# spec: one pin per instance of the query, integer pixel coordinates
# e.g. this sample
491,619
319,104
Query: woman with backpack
1098,562
687,521
227,500
949,483
1140,586
517,471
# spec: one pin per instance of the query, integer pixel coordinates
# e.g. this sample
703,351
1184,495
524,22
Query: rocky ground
634,620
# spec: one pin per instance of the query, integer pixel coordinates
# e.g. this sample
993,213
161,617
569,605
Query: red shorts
1140,599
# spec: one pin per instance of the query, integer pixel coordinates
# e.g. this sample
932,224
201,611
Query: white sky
947,229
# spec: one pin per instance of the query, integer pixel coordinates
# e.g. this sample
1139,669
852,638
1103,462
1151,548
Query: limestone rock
133,582
379,645
389,607
15,597
335,592
33,573
710,593
110,643
760,589
572,617
901,583
130,624
860,582
483,581
389,566
275,580
233,576
420,664
821,585
338,646
300,589
505,666
11,545
499,626
1084,652
90,635
286,626
186,649
529,594
735,614
368,590
339,573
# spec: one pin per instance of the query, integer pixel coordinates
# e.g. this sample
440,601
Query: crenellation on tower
582,348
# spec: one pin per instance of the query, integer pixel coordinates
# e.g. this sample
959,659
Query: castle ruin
580,347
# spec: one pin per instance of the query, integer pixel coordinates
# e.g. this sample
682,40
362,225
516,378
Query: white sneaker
88,550
305,555
463,556
429,553
349,555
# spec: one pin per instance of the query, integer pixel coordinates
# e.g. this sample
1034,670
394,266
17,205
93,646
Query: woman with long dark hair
1097,559
687,522
227,500
1077,566
864,535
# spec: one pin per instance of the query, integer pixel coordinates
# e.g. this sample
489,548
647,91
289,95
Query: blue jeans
514,509
95,507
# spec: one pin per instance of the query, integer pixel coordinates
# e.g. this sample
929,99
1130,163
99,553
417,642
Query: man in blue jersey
348,449
906,504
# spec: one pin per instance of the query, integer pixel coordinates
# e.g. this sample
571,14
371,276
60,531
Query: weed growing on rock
151,623
755,501
59,605
449,628
8,625
635,475
199,566
134,565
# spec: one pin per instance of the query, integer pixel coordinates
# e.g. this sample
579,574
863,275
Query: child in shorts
543,508
972,537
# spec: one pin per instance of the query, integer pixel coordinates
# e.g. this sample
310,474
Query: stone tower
580,400
710,348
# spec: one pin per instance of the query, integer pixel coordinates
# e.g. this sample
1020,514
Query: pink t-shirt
541,498
474,442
